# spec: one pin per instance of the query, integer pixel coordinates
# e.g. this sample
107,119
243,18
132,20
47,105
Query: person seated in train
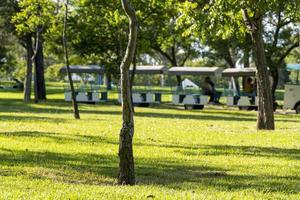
208,88
249,87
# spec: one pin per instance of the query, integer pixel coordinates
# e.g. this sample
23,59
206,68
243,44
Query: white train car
88,90
192,98
234,95
145,96
292,90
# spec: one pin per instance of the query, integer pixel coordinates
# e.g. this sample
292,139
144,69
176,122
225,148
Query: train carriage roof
239,72
149,69
293,67
201,71
80,69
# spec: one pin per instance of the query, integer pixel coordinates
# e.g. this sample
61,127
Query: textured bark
265,116
35,84
275,77
132,76
246,60
65,45
28,77
126,165
39,62
37,45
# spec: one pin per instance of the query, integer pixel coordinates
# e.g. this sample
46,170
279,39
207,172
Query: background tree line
174,33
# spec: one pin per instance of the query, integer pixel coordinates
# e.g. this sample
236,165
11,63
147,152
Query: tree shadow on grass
229,150
59,138
221,116
217,109
31,118
170,172
96,165
69,168
63,108
97,169
206,150
194,115
51,107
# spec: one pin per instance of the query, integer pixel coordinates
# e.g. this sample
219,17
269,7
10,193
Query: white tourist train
87,84
192,98
146,95
292,90
187,94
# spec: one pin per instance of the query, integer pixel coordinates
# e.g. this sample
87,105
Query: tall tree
253,14
33,18
40,70
36,67
265,117
65,45
126,165
226,18
9,10
281,38
109,46
28,75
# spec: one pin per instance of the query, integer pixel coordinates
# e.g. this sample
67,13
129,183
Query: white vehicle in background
144,95
234,95
192,98
87,88
292,91
237,96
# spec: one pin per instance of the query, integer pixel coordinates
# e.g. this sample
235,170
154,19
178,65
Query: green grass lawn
179,154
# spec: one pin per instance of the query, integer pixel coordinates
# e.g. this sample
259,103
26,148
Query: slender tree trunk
275,76
36,49
246,60
274,72
108,81
28,78
132,76
247,56
65,45
39,62
265,117
174,63
35,83
126,165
